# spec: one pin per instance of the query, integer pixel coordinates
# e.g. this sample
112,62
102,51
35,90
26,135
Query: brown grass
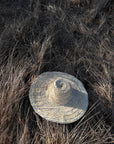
68,36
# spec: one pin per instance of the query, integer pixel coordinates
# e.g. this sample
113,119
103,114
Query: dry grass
74,36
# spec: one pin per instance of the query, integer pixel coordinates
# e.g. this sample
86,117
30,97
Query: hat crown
59,91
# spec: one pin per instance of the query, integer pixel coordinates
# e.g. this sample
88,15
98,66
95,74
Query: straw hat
58,97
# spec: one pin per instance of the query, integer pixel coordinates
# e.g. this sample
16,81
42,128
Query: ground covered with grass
72,36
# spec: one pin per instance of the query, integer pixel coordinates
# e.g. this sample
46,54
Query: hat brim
68,113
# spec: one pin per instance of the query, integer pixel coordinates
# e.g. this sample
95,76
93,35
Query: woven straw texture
64,113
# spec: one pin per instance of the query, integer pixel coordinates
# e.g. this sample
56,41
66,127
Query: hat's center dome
60,84
59,91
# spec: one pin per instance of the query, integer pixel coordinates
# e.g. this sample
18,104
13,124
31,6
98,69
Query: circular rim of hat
58,97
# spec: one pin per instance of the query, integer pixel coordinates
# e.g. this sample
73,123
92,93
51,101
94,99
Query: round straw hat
58,97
